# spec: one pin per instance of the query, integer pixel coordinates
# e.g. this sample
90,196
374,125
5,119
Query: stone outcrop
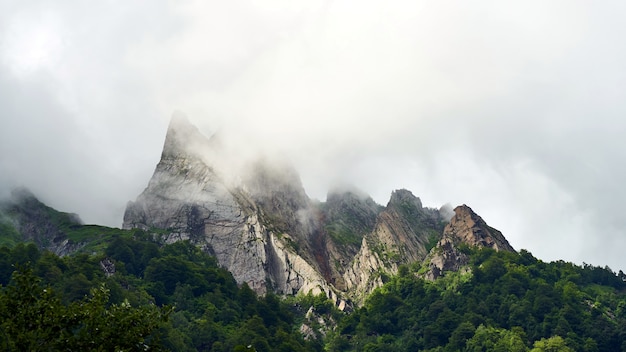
445,257
108,267
465,227
292,274
401,235
366,273
404,228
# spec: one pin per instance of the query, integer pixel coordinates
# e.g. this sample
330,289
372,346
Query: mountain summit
255,217
23,218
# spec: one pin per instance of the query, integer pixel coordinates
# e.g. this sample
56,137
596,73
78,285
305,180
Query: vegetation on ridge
504,302
126,291
209,311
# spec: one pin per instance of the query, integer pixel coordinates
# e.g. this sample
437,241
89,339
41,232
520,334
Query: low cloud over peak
513,108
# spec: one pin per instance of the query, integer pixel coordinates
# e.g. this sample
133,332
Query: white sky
514,108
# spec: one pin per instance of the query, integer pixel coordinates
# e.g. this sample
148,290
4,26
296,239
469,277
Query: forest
503,301
137,294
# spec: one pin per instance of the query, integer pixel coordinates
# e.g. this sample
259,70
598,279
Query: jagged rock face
292,274
38,223
187,200
259,223
404,228
241,224
445,257
401,235
284,208
465,227
366,273
348,216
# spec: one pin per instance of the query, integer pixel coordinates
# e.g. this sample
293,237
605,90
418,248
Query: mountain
24,218
216,223
255,217
496,300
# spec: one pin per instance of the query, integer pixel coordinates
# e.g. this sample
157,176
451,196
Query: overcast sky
517,109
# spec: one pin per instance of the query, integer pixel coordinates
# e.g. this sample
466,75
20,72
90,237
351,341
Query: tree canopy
176,297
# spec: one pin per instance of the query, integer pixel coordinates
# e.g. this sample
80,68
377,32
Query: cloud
513,108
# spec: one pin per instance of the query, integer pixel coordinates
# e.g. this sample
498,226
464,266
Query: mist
515,109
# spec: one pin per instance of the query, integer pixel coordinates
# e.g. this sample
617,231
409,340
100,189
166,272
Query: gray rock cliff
257,227
400,236
254,215
465,227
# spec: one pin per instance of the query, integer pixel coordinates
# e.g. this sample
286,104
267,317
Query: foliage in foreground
210,312
34,319
503,302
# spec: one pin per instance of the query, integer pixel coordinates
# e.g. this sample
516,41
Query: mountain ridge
407,277
254,216
27,219
257,219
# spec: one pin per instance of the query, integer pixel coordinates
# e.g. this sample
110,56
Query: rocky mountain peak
467,227
339,202
22,195
349,215
23,200
254,215
182,138
34,221
406,197
251,213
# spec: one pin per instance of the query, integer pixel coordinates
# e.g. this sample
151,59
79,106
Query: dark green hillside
9,235
24,218
123,290
210,312
506,302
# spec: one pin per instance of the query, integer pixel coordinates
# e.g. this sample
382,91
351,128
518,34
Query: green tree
494,339
552,344
459,337
32,318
